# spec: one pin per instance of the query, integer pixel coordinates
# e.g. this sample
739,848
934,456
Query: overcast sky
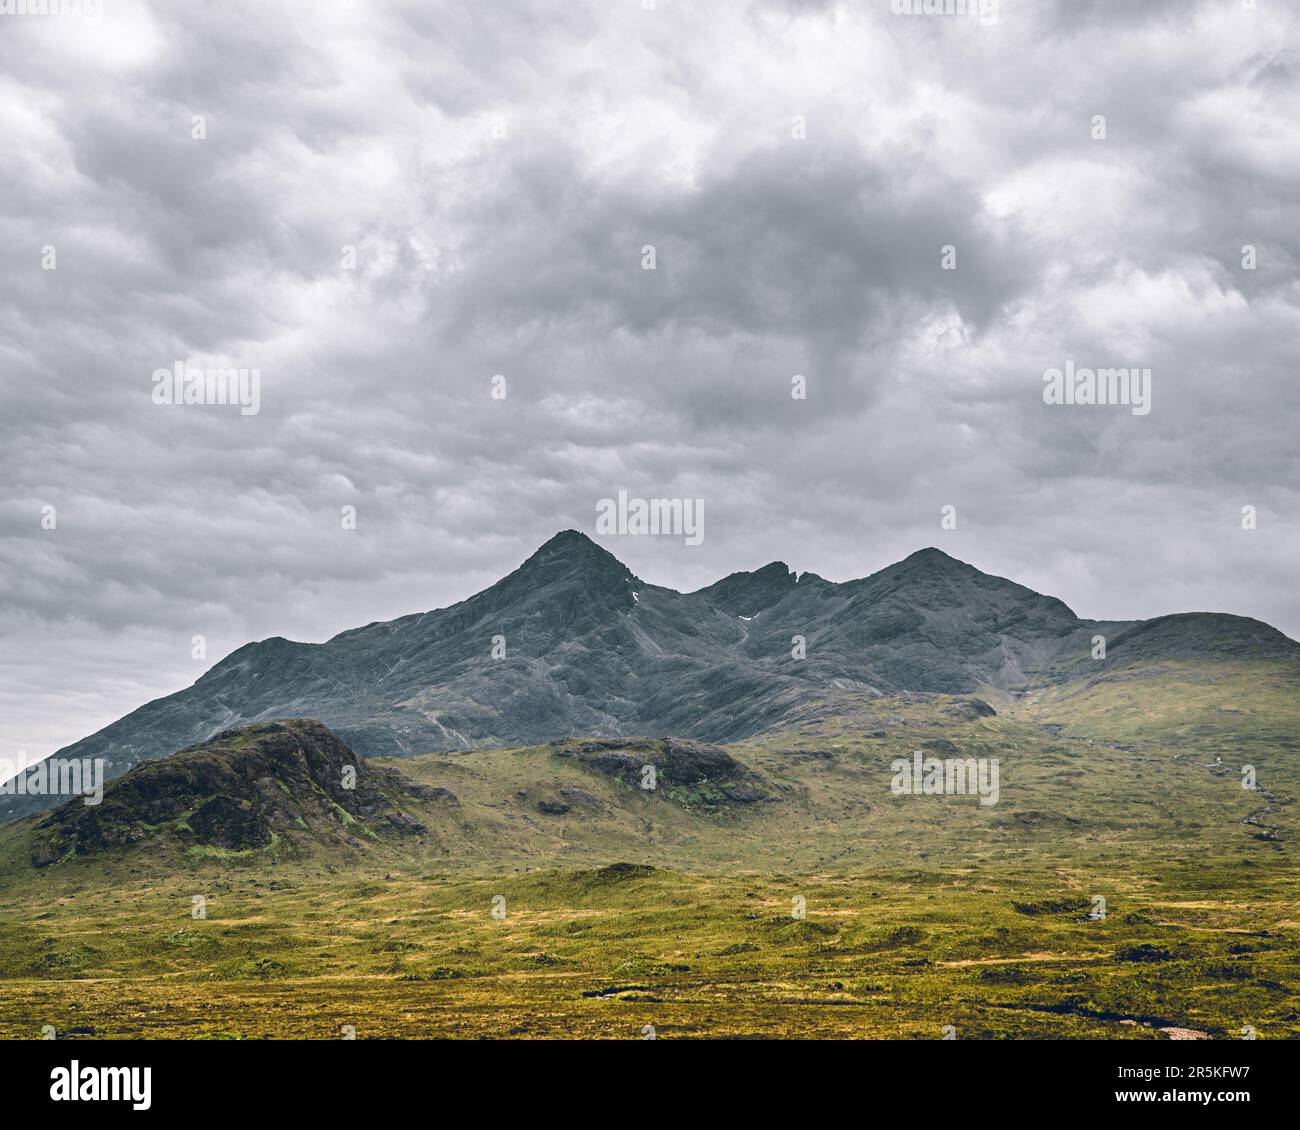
498,169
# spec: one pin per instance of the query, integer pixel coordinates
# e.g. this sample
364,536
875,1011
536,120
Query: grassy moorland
679,908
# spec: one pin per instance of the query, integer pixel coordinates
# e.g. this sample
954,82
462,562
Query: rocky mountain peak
570,553
747,594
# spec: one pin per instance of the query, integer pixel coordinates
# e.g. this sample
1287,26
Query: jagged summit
569,542
747,594
570,549
936,558
933,564
573,643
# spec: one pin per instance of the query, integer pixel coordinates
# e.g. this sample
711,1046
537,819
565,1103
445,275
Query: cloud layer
498,169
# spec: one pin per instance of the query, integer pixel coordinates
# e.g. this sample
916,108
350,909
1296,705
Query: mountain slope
573,644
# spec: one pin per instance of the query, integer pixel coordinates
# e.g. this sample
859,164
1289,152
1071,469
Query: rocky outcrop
690,773
244,790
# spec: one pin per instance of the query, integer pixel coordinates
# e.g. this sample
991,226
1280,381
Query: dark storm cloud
498,169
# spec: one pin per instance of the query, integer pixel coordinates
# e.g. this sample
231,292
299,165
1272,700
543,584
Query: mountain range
578,804
572,643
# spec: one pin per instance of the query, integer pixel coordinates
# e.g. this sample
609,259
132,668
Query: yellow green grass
918,912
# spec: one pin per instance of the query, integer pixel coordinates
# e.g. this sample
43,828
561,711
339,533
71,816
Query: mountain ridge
572,643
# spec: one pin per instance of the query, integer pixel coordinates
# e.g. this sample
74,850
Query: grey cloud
479,255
